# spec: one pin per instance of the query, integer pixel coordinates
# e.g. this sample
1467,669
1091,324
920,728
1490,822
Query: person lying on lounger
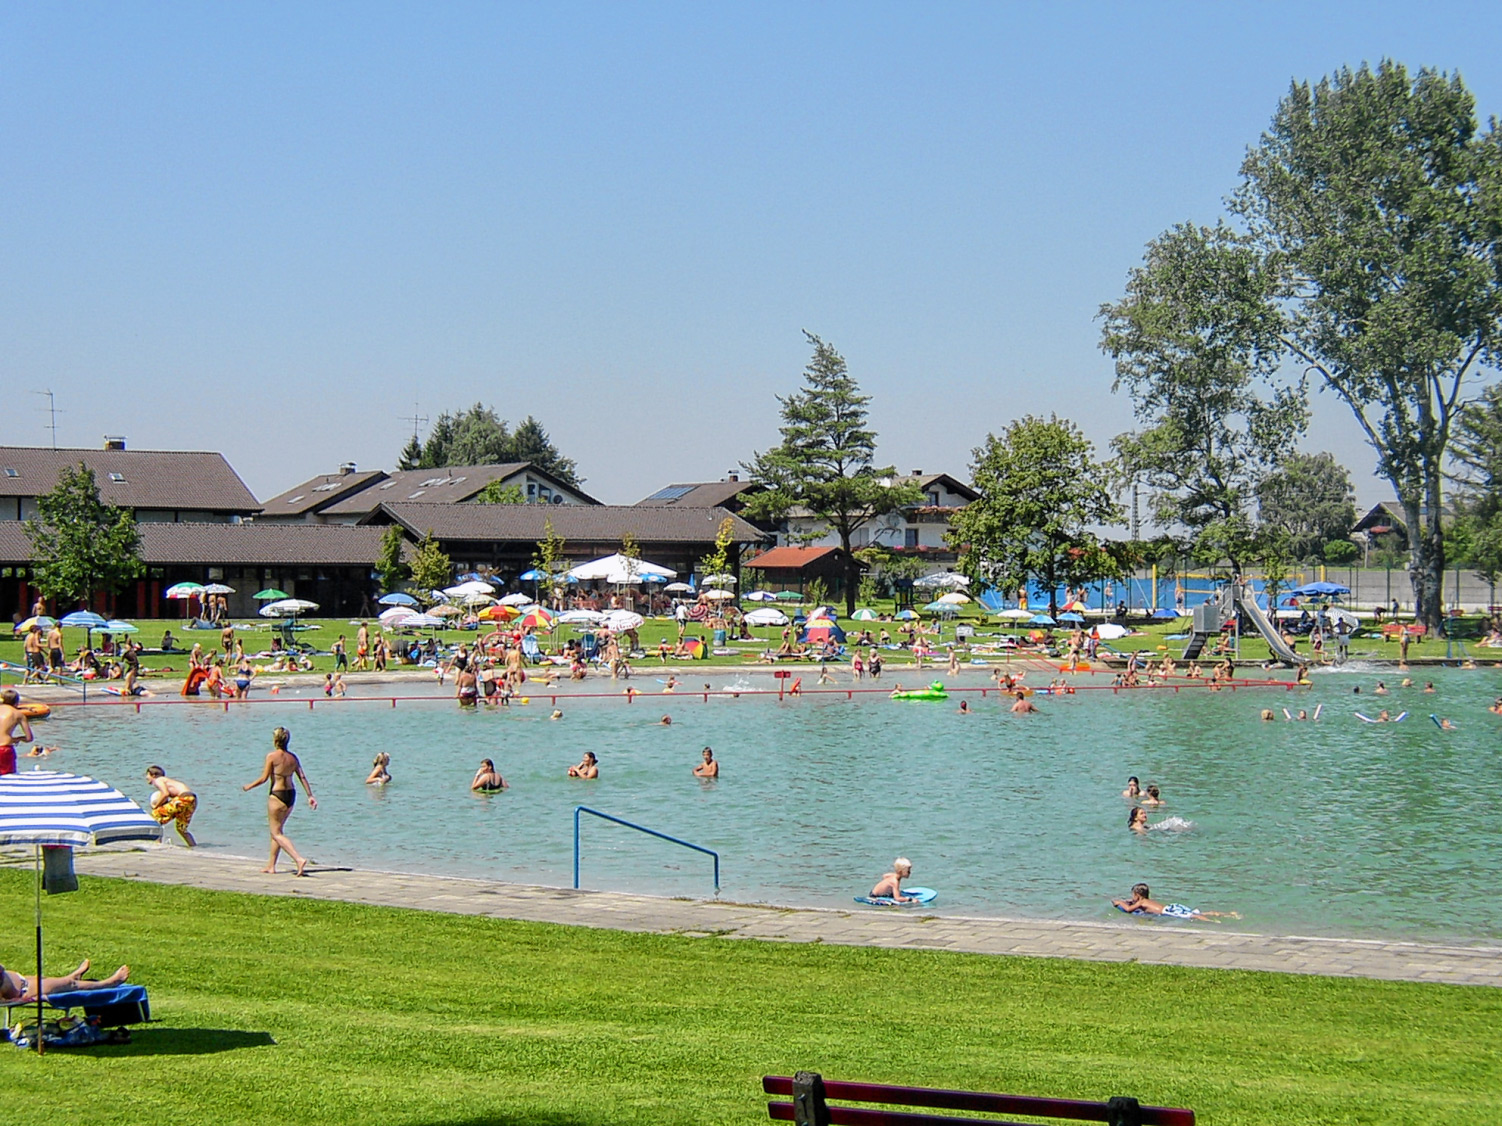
17,989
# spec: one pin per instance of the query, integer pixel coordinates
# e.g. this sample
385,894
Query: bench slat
860,1116
940,1099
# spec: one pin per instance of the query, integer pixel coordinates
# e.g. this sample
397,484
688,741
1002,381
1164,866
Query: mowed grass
283,1010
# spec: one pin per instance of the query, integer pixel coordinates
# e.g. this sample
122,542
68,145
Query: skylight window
295,499
326,488
118,478
389,485
672,492
457,481
417,494
9,472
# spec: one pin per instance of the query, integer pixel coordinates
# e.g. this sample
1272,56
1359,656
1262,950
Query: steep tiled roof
318,493
233,544
586,523
452,485
707,494
165,479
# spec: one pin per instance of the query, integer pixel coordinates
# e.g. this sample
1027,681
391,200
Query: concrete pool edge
1203,947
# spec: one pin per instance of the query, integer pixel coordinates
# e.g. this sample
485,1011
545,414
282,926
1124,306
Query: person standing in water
172,801
280,768
708,768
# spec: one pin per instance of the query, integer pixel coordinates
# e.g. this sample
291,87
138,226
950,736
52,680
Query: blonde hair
902,862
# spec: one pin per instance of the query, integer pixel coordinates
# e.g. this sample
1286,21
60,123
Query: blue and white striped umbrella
49,807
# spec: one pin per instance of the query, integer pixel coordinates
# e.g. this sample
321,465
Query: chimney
346,468
732,475
114,442
917,473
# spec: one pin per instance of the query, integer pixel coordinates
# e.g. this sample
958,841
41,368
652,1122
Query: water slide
1270,634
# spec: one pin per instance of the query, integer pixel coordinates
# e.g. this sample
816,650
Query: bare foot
301,864
117,977
83,968
269,871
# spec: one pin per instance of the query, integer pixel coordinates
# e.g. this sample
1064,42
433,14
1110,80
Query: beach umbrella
420,621
617,569
518,600
270,594
86,620
718,595
677,588
761,596
475,598
720,580
1111,631
947,579
622,620
535,618
115,625
1071,616
41,621
445,611
1016,614
396,615
397,598
788,596
218,588
500,612
906,615
1041,620
864,614
287,608
1076,606
1316,589
766,616
535,575
52,808
1163,613
954,598
652,578
581,617
473,586
178,591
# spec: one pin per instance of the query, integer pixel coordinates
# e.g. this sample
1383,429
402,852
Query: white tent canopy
618,569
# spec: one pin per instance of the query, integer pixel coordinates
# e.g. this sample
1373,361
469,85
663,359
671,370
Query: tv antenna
51,414
417,418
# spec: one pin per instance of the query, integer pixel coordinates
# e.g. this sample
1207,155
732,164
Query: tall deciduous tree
548,558
1378,201
1042,495
824,466
432,569
81,546
1196,343
391,566
1309,501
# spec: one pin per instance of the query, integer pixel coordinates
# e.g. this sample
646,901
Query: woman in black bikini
281,767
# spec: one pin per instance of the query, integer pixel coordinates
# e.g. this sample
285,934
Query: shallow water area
1337,827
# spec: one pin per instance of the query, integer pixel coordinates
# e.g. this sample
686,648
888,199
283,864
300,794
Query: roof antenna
51,413
417,418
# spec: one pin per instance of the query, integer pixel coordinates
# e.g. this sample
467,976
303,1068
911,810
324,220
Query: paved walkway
1175,944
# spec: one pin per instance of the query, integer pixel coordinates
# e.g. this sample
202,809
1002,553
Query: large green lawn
279,1010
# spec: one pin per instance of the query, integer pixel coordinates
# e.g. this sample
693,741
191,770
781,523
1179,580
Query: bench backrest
809,1093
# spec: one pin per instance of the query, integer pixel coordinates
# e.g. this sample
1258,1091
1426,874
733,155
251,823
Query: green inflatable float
934,691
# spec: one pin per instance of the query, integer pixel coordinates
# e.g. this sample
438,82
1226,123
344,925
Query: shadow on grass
517,1118
191,1041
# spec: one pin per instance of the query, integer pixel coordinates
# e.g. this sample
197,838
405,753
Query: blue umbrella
906,615
532,576
48,807
1313,590
396,598
475,577
1071,616
1041,620
83,619
1163,613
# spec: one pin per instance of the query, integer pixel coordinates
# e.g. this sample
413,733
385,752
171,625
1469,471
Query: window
295,499
910,537
414,496
326,488
933,499
118,478
458,481
9,472
389,485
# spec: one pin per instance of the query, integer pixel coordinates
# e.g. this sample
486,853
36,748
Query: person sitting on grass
1141,903
17,989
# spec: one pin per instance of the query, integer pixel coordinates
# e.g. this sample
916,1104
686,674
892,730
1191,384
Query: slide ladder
1207,620
1234,598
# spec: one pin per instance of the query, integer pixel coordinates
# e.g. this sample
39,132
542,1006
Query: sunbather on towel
17,989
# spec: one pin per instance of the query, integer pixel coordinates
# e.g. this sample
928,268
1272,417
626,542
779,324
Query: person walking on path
173,801
281,767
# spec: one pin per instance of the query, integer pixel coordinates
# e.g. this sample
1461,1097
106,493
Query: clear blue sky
269,229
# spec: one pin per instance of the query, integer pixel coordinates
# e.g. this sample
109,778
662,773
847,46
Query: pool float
934,691
35,710
1399,718
918,897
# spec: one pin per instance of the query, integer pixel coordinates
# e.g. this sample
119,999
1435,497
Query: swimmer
1152,797
665,721
1429,687
1406,682
1496,708
1304,715
557,714
708,768
1380,690
1303,677
1268,715
1137,820
588,767
487,779
671,685
1134,788
890,885
39,752
379,774
964,707
1023,705
1142,904
1445,724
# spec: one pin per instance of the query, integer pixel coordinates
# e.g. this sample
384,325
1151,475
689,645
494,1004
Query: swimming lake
1334,828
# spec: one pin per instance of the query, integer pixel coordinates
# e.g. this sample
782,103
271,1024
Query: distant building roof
233,544
319,492
1384,514
451,485
181,480
793,558
704,494
599,523
953,484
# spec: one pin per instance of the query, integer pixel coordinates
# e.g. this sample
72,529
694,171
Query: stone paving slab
1196,945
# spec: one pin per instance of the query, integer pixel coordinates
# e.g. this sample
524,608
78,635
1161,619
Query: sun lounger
115,1005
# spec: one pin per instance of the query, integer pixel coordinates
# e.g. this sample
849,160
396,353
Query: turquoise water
1335,828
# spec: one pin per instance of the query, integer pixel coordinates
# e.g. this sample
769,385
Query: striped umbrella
51,808
536,618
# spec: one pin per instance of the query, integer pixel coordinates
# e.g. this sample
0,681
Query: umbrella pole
40,1037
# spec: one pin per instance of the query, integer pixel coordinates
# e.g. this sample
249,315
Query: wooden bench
809,1094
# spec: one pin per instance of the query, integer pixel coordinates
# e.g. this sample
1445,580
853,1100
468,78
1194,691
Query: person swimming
379,773
1133,789
964,707
587,768
1142,903
1152,796
1268,715
1137,820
